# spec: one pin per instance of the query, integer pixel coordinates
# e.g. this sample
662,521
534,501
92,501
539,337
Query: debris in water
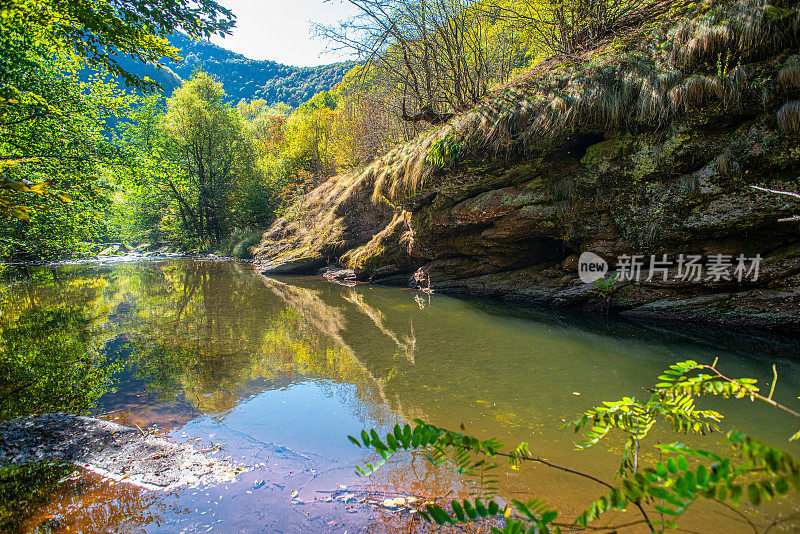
111,450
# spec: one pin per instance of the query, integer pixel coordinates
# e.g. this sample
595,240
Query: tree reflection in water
87,503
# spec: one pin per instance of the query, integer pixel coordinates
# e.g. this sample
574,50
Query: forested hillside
242,78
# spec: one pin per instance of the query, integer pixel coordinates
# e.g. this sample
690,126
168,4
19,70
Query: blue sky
280,30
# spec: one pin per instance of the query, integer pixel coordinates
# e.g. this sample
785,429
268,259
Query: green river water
277,372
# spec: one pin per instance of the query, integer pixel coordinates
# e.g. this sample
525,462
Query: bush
244,248
240,242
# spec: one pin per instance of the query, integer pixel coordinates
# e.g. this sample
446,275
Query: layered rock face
511,222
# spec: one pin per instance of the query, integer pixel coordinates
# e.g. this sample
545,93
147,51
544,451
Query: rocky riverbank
111,450
648,151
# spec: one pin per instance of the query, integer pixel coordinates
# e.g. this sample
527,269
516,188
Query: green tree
53,153
216,157
193,169
146,210
308,134
53,150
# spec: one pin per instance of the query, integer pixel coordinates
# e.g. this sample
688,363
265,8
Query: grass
789,117
654,81
727,164
243,250
321,228
789,76
399,230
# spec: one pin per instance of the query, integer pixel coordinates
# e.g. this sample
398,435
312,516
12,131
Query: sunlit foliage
53,142
748,470
192,172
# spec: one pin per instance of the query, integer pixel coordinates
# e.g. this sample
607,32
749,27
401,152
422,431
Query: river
275,373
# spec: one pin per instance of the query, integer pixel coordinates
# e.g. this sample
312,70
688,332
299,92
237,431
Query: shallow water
275,373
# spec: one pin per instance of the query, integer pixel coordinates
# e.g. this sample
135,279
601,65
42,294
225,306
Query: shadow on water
743,342
275,373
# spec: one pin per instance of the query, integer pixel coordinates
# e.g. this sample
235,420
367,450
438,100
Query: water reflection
279,372
50,349
87,503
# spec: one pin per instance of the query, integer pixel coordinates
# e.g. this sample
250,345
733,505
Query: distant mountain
242,77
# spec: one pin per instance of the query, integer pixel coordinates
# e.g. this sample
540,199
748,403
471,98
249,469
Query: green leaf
781,486
523,509
666,495
682,463
754,494
736,494
470,510
661,470
439,516
672,466
458,510
702,475
480,508
767,491
666,510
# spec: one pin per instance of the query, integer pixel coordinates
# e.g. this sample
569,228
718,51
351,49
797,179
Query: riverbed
275,373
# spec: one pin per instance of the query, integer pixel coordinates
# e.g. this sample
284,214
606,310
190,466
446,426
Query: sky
280,30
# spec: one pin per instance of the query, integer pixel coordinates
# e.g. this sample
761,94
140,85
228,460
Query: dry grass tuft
746,29
407,237
706,42
734,87
699,89
727,164
565,189
396,231
789,76
687,184
789,117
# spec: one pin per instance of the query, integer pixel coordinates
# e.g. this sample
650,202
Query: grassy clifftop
715,57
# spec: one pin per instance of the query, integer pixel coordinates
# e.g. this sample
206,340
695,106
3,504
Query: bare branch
776,191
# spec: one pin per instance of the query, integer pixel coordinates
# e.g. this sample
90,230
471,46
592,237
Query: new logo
591,267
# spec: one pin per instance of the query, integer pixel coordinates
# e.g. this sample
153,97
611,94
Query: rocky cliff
647,145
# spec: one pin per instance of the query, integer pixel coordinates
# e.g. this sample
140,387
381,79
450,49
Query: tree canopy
54,145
